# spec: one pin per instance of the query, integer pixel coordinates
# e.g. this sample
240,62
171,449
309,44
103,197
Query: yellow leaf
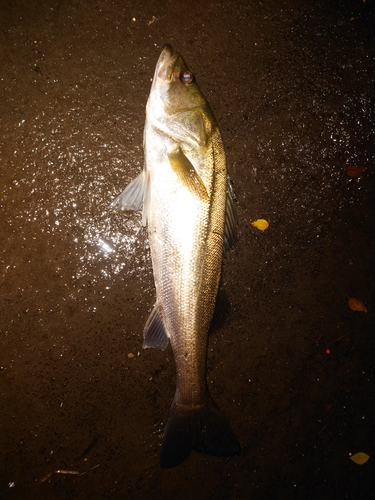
360,458
260,224
356,305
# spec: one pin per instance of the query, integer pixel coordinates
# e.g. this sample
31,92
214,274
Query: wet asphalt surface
82,405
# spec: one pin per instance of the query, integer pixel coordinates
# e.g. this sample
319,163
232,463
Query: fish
189,209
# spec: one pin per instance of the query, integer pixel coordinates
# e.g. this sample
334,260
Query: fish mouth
166,63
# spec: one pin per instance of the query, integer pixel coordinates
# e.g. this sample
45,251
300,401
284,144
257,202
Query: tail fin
203,429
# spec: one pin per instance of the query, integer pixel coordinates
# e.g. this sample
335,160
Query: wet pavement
292,368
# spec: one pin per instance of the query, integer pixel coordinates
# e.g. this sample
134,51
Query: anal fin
154,334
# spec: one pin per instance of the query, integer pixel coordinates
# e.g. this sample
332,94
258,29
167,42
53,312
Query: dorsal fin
230,229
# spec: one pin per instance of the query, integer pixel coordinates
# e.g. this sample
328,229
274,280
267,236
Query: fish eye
187,78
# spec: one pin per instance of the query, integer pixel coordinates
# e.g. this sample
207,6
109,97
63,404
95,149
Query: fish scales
189,210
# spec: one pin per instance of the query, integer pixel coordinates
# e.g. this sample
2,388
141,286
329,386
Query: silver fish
189,210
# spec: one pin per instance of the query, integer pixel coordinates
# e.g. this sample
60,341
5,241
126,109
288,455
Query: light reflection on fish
189,210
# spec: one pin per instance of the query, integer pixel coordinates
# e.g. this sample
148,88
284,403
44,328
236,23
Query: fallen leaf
260,224
356,305
360,458
355,171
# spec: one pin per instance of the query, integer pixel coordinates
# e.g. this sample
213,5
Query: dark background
292,86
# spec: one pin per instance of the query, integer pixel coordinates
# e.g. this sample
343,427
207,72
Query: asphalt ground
83,407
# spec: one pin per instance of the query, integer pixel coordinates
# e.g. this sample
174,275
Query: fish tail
203,429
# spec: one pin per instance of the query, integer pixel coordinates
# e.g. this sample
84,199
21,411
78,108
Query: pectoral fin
187,174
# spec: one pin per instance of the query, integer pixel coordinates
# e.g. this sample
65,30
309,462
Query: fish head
176,103
174,87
